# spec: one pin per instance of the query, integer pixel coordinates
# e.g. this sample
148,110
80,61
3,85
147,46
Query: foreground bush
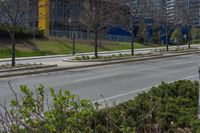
166,108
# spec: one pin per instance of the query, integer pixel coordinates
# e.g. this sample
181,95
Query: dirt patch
22,44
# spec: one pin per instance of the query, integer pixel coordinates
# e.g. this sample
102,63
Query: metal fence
88,36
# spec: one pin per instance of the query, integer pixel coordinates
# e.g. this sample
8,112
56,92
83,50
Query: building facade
189,9
194,5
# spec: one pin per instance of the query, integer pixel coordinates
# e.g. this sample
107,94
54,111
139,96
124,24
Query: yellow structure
43,15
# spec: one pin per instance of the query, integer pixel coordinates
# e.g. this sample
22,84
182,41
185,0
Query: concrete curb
35,58
27,68
109,60
94,65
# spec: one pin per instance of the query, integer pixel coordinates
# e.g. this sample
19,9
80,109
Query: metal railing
88,36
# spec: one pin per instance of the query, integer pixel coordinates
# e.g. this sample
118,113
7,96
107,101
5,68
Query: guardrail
88,35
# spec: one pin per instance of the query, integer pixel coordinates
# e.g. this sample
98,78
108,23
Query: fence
88,36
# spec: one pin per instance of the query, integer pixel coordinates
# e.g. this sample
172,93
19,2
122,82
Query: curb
27,68
35,58
95,65
110,60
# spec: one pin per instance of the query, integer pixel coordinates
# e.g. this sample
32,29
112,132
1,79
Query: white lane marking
189,77
102,76
143,89
124,72
187,62
96,77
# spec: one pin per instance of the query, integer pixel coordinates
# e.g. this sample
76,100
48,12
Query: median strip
53,68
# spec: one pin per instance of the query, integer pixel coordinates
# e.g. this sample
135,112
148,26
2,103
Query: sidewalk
78,65
60,57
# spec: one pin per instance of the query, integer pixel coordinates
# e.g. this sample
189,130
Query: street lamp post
73,36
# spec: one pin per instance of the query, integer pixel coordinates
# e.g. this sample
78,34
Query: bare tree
32,16
152,10
177,21
97,15
132,17
68,19
72,21
13,12
186,14
162,18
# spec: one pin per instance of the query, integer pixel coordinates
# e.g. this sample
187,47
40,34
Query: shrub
21,32
65,113
168,107
78,58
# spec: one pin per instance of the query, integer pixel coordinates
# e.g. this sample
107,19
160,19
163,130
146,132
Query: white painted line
189,77
180,63
123,94
96,77
143,89
125,72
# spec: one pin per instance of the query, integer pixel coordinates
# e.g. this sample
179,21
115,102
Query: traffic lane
105,71
116,85
93,87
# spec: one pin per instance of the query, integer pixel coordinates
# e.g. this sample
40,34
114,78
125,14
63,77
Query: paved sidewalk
77,65
58,59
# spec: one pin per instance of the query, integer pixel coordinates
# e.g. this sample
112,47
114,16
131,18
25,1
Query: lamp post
73,35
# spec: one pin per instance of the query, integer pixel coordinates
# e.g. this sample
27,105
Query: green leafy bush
168,107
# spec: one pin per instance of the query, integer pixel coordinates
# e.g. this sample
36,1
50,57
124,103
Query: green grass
58,46
196,41
6,52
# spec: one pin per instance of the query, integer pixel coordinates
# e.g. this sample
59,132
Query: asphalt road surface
112,83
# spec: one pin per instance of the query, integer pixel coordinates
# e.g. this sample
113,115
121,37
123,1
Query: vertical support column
43,16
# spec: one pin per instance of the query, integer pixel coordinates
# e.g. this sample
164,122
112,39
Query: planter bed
22,67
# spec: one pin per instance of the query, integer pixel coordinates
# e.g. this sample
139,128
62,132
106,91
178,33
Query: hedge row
21,32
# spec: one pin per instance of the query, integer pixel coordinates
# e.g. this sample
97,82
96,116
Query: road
112,83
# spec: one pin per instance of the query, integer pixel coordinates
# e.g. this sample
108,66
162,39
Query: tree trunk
33,33
132,43
12,34
178,36
166,38
96,44
73,47
177,42
189,37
